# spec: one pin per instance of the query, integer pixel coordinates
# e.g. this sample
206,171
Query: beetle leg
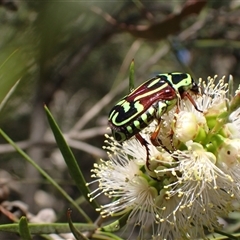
171,134
145,144
192,101
155,140
155,134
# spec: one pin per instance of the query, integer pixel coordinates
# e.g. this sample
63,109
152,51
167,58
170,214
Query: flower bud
186,126
229,153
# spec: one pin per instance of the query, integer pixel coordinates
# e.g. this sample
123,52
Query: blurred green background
74,56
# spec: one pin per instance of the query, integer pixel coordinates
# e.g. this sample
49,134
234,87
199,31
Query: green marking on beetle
186,83
162,107
126,106
171,103
129,128
145,118
136,123
138,106
113,117
151,92
151,111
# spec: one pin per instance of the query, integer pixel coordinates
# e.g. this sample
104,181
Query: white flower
121,178
190,181
229,162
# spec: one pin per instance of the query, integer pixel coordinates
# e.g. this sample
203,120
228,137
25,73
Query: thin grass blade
69,158
45,174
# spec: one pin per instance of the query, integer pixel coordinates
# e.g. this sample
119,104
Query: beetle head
194,87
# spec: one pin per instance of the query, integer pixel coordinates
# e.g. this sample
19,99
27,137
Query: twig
7,148
89,133
87,148
128,58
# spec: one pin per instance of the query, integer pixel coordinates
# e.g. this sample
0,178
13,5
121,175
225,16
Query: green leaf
24,230
106,236
47,228
69,158
131,76
41,171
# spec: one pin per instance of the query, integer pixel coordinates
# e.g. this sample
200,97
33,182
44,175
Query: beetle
149,102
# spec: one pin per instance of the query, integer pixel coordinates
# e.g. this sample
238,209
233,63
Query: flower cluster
191,181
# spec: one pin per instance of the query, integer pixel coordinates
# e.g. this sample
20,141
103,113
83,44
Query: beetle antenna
192,101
